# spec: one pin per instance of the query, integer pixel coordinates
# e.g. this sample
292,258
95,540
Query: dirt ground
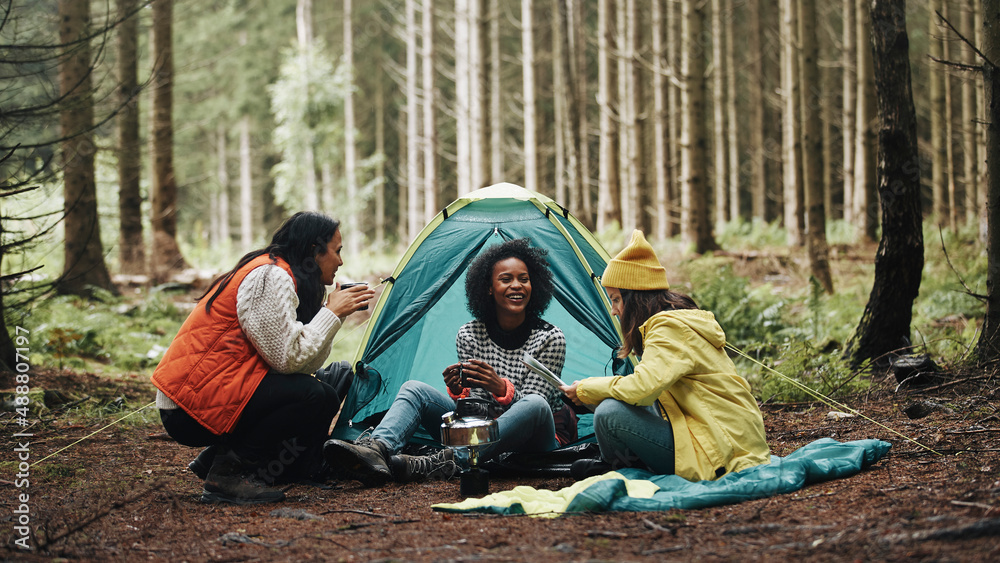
126,494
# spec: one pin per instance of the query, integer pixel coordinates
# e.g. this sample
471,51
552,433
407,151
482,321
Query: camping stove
469,426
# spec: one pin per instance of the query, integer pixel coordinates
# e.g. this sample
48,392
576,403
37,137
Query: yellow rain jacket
684,368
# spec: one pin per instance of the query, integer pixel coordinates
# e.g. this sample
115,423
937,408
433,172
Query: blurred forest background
142,138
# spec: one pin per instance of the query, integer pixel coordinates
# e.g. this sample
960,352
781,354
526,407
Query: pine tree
167,259
84,267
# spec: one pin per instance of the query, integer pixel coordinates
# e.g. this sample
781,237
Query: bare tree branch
965,40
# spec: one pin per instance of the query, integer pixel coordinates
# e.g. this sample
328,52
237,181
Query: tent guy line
827,400
94,433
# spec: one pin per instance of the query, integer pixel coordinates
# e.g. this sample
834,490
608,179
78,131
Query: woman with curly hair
508,287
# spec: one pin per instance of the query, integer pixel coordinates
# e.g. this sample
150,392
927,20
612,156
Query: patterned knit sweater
265,307
504,350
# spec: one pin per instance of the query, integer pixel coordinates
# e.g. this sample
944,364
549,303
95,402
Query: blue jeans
527,426
626,433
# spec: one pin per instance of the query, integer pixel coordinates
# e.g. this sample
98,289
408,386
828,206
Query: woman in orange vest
236,378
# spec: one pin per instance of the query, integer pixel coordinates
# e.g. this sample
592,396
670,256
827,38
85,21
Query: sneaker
584,468
366,459
231,481
410,468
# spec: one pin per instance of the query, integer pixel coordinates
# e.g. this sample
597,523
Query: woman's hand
481,374
343,302
570,391
453,378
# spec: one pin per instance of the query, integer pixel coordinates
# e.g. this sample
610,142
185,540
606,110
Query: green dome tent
411,334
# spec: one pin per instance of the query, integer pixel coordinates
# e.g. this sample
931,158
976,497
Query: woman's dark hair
638,306
297,241
479,279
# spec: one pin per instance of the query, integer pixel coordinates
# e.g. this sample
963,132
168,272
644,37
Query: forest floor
125,494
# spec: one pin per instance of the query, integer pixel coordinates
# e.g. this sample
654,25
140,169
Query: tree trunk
84,267
326,190
430,147
496,108
578,43
949,127
477,95
312,187
719,69
246,187
8,350
850,77
463,100
222,195
132,251
694,206
660,130
528,74
936,82
672,24
608,202
758,177
213,211
828,84
623,60
560,113
733,140
414,209
350,149
885,324
637,170
380,178
167,258
304,29
982,200
572,111
303,22
865,203
402,193
791,135
988,347
621,109
812,147
970,149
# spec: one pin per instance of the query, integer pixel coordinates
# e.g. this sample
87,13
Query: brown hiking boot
231,481
366,459
409,468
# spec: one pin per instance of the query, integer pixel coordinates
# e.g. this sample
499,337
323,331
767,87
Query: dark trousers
280,432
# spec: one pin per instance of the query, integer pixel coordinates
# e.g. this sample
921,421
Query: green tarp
635,490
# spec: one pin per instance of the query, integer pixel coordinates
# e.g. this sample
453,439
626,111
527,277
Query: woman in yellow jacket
684,410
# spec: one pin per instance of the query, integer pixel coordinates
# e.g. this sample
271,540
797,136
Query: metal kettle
470,426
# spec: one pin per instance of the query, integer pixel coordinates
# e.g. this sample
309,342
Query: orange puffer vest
211,368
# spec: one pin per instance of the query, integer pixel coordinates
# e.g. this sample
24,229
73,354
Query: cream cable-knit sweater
265,307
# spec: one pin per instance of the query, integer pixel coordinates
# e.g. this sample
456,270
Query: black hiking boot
203,462
584,468
410,468
366,459
231,481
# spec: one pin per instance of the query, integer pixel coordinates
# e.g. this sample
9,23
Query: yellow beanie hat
635,267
